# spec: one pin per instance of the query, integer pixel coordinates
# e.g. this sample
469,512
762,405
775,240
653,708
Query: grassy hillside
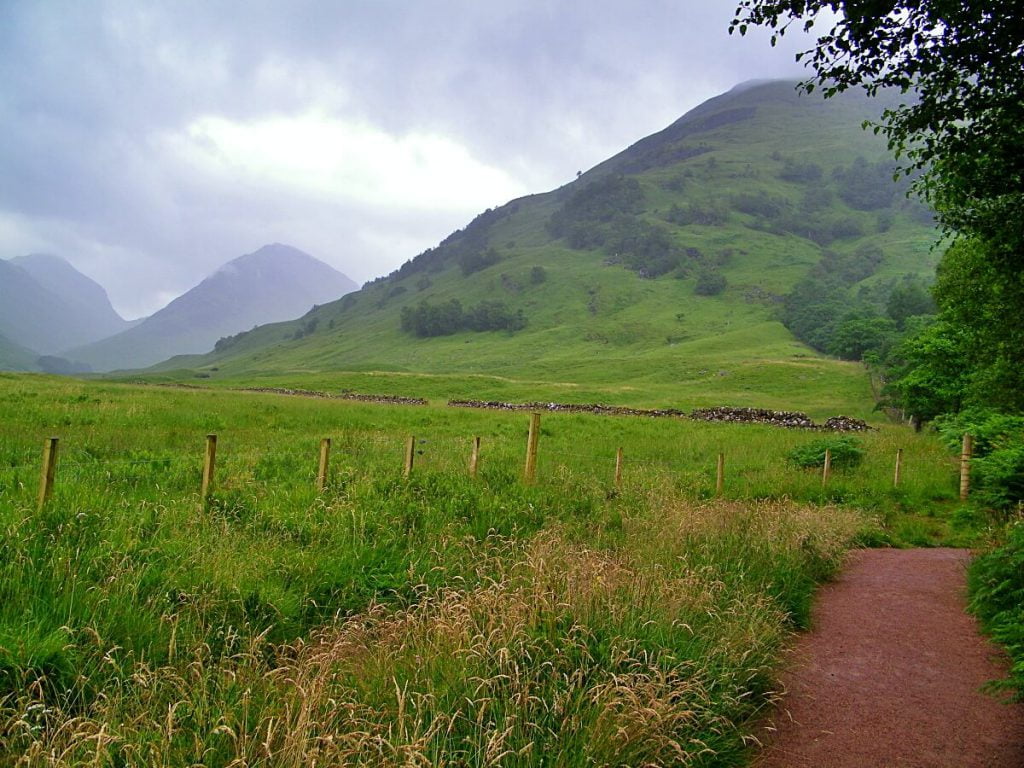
657,276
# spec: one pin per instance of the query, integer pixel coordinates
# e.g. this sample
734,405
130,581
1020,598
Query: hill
275,283
663,273
48,305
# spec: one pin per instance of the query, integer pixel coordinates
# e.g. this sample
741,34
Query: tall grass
438,619
653,651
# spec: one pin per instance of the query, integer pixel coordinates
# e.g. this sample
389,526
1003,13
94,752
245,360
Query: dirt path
890,674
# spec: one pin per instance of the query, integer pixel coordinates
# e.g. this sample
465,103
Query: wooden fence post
474,457
618,467
325,462
720,475
209,466
827,469
410,453
965,466
899,468
530,470
49,471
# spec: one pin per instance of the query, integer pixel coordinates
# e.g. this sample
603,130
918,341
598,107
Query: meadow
437,619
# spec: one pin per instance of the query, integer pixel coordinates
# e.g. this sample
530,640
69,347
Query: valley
207,580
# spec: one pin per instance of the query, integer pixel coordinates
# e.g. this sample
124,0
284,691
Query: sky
150,141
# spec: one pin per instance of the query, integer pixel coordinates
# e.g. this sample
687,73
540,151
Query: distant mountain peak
274,283
48,305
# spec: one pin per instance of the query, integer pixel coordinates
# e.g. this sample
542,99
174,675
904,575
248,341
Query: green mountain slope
659,273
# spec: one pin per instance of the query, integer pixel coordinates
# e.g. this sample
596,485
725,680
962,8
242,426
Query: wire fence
304,464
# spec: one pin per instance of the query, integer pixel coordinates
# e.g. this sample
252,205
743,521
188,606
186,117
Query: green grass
440,618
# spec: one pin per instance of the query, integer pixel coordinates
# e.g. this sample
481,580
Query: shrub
1000,477
990,429
996,582
474,261
710,283
846,452
538,275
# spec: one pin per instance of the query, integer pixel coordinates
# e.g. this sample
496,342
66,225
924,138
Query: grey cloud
539,89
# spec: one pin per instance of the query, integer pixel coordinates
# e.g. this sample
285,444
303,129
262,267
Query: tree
963,128
959,130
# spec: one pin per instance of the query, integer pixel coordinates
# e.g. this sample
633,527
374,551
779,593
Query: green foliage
866,186
474,261
1000,477
990,429
645,248
998,466
844,451
494,316
909,298
926,371
861,336
595,203
759,203
709,283
981,300
538,275
963,128
996,581
708,213
306,328
821,311
426,320
800,172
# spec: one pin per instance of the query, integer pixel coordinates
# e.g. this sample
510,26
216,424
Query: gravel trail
891,672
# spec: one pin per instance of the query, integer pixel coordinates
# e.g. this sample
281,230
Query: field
439,619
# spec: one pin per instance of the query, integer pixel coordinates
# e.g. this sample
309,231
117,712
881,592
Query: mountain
48,305
275,283
14,357
669,268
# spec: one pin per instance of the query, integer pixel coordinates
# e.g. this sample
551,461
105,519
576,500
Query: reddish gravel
890,674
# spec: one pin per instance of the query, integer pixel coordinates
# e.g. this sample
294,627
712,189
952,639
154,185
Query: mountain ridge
46,304
274,283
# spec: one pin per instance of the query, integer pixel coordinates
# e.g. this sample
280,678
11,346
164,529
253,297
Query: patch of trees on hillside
426,320
604,215
822,311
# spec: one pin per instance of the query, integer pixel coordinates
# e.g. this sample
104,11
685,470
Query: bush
474,261
996,582
710,283
990,429
846,452
710,213
999,477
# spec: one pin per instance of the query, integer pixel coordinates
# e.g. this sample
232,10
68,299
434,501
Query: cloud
343,161
151,142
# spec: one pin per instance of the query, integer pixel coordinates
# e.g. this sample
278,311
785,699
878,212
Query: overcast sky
149,142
